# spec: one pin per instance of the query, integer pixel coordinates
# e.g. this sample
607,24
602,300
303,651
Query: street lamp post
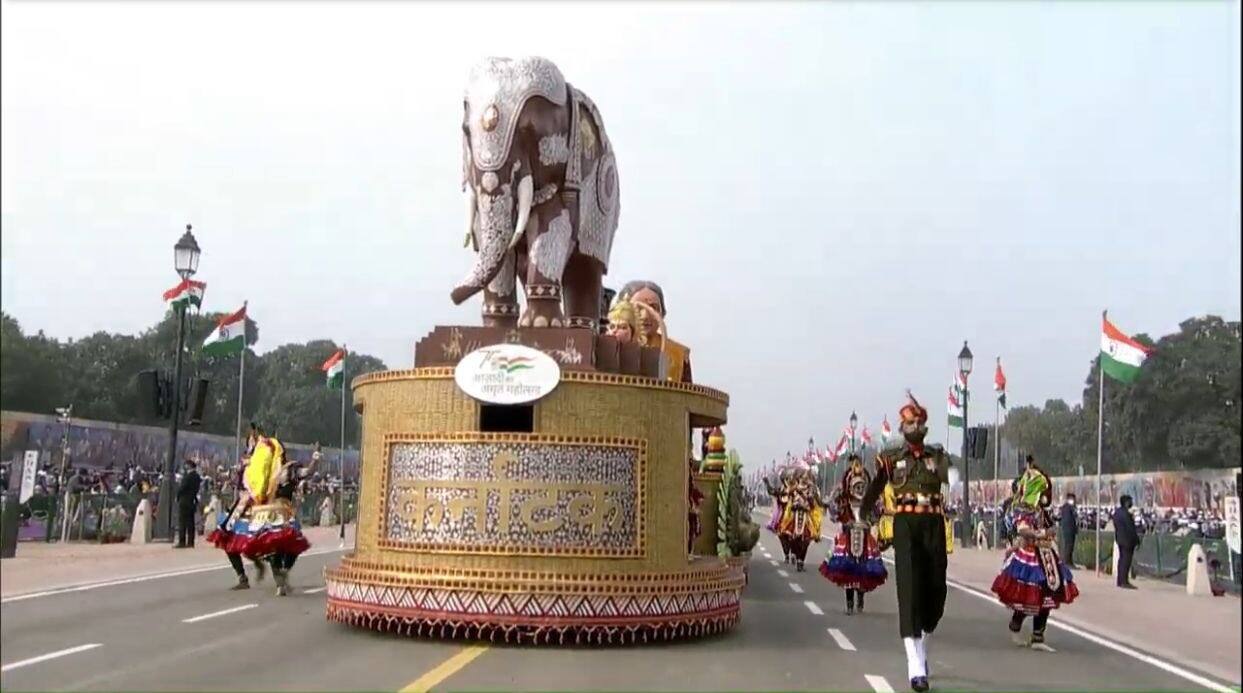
65,416
964,367
186,262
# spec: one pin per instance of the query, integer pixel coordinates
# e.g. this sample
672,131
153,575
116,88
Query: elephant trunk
472,210
498,233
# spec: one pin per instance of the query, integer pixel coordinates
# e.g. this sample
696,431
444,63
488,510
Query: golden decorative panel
513,494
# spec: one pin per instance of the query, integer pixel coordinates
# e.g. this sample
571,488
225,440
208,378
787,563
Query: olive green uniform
918,532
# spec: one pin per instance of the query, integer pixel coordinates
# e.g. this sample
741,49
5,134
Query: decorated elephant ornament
542,195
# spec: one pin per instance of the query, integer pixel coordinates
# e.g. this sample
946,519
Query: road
188,632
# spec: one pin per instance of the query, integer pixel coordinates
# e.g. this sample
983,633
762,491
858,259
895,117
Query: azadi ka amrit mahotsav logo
507,374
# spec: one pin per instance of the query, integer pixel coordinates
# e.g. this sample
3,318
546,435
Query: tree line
1182,412
284,388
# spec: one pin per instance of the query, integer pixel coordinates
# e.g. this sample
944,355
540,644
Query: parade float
531,479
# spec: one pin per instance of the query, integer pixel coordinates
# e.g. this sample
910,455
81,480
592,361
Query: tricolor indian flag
229,337
187,292
954,405
999,384
334,368
1121,356
843,445
885,431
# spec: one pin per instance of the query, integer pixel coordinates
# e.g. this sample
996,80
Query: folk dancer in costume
800,521
1033,580
916,472
261,525
286,542
855,564
779,507
884,527
222,536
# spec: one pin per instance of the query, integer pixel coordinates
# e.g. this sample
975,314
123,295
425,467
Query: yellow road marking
445,669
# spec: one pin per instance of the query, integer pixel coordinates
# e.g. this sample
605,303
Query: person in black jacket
1127,539
187,505
1068,528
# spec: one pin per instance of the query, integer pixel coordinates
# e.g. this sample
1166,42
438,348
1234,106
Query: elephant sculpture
542,195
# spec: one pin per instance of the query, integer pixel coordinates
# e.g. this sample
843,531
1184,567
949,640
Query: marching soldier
916,472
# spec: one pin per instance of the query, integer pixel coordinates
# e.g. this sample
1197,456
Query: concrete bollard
1114,570
1198,582
141,534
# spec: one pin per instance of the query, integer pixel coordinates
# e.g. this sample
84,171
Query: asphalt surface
189,632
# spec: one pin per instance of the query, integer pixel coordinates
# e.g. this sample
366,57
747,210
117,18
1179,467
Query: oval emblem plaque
507,374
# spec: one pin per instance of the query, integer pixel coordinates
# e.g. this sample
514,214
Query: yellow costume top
815,513
260,476
884,528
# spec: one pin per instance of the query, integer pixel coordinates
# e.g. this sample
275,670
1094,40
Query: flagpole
341,455
241,379
996,458
1100,430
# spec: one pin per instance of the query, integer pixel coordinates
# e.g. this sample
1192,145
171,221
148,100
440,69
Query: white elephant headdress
496,91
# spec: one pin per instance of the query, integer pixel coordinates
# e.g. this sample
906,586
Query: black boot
919,684
859,594
850,602
242,583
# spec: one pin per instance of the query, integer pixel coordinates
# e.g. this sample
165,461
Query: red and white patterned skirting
549,618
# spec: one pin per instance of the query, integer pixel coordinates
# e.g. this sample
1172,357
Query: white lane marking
1104,642
878,683
783,573
214,614
314,590
774,563
137,578
50,655
841,640
814,608
796,587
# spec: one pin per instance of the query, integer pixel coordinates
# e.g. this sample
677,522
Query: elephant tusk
472,210
526,193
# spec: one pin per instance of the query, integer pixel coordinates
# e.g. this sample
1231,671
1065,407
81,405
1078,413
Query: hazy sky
833,196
